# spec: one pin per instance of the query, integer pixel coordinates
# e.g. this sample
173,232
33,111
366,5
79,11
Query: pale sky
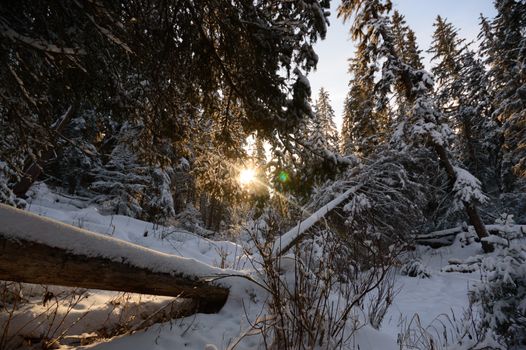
337,48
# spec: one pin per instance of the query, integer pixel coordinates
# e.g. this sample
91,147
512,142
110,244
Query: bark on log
23,259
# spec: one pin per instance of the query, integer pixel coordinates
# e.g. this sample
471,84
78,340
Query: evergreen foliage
364,125
323,128
447,49
425,125
404,41
504,47
165,66
461,96
502,290
392,190
6,195
321,145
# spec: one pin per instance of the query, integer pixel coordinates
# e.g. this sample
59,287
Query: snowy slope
443,293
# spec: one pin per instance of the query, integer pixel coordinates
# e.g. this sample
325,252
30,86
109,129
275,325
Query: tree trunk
471,209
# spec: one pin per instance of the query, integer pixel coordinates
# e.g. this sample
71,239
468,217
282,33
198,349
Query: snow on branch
466,189
425,123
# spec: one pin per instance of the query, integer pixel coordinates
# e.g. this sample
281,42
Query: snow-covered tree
126,184
364,125
316,147
166,72
6,194
478,136
425,125
463,98
404,42
504,45
501,294
447,49
323,128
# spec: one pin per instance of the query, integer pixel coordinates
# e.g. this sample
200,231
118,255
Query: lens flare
247,176
283,176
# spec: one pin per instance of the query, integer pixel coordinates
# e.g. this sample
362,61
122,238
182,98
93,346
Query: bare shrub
380,300
313,303
25,320
10,301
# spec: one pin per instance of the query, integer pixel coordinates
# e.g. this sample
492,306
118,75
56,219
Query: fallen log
440,234
446,237
38,250
292,237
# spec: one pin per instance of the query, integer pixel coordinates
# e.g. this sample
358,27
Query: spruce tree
463,98
479,134
404,41
412,53
425,126
447,49
324,122
364,125
504,45
166,65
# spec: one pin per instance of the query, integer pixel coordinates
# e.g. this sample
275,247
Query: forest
169,180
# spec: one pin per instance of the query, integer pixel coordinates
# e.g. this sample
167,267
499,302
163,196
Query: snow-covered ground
444,293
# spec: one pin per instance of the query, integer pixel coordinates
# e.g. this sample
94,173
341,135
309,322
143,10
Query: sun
247,176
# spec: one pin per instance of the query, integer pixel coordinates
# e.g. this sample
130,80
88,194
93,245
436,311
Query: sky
337,48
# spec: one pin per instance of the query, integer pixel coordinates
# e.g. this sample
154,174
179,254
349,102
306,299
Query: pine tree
134,62
479,134
121,183
6,194
447,49
463,98
504,45
404,41
425,125
324,123
87,137
412,53
364,125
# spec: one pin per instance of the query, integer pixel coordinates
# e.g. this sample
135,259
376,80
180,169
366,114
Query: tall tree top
324,121
446,48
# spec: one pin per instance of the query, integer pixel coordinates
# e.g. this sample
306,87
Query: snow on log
39,250
294,235
456,230
440,234
446,237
